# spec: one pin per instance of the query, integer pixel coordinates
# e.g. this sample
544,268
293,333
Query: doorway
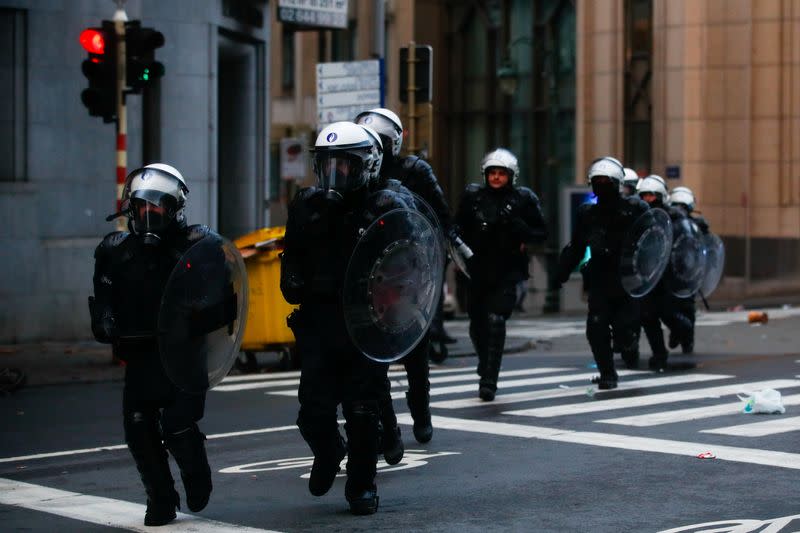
240,135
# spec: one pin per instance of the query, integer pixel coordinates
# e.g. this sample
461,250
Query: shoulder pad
196,232
303,194
111,241
637,203
410,161
675,213
393,184
386,199
526,193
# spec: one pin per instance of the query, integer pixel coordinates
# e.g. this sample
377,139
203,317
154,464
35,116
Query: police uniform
322,230
496,224
603,227
131,271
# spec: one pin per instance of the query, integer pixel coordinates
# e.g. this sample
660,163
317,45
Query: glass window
287,55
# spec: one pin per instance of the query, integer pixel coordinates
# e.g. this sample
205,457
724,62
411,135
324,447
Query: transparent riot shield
687,260
645,252
203,313
428,212
392,285
715,263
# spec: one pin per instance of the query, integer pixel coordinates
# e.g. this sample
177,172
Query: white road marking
609,440
125,446
577,391
759,429
435,378
102,511
546,329
473,382
684,415
651,399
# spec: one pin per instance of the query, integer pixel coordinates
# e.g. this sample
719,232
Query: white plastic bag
764,401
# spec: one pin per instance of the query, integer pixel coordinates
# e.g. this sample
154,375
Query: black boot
631,359
418,395
606,380
419,405
325,468
362,439
144,443
391,444
495,343
329,449
189,450
658,363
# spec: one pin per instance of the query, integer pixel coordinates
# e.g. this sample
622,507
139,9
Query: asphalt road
664,452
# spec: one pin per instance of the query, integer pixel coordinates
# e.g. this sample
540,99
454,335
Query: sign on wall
345,89
317,13
294,165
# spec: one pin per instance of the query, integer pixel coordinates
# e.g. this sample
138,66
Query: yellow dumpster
266,328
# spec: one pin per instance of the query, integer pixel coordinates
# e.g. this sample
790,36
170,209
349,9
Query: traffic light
423,73
140,51
100,68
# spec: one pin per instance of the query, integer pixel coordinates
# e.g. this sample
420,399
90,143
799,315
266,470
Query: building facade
208,116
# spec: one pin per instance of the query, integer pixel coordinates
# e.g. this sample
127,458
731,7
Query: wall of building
55,211
725,100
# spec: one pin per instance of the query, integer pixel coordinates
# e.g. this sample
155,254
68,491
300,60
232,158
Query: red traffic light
93,41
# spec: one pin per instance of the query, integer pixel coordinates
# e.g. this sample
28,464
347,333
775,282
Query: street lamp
507,74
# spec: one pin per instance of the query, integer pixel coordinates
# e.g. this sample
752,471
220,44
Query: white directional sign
347,88
320,13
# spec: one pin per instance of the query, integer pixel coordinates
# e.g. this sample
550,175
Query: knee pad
140,427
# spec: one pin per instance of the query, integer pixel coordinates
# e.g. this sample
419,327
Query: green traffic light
146,74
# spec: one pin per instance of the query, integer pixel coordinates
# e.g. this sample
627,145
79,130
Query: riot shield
645,252
393,284
715,263
687,260
457,256
428,212
203,313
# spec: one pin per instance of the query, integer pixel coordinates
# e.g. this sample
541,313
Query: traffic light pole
412,97
120,18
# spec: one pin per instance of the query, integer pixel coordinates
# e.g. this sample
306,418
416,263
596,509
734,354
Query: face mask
605,191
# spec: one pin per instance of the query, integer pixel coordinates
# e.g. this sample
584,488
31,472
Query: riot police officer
602,227
658,305
321,233
131,271
630,182
682,198
498,220
416,175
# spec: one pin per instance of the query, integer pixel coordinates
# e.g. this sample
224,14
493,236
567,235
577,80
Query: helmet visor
151,211
339,171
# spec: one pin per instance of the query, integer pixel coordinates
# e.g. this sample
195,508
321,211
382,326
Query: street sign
318,13
293,158
345,89
673,172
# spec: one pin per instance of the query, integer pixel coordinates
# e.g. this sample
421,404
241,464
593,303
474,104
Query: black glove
104,327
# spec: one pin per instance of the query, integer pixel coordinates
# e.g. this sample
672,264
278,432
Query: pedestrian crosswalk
544,329
643,400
